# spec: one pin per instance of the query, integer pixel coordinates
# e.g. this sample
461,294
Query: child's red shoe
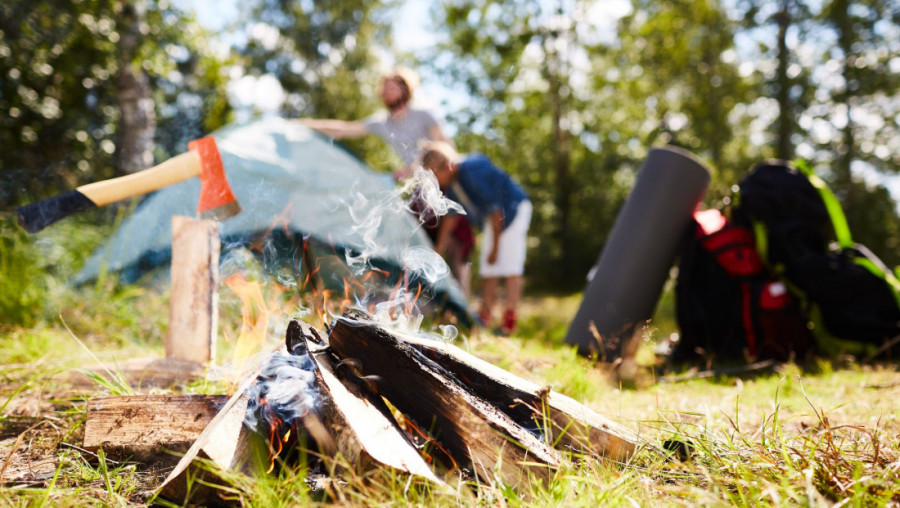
509,321
485,318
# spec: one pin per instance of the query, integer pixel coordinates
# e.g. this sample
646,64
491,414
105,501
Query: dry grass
827,434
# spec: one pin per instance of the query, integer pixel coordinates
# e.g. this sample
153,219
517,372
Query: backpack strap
838,219
842,230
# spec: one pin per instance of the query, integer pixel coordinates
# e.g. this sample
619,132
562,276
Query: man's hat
405,74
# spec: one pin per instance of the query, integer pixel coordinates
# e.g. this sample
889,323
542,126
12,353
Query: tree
781,31
522,65
856,111
325,56
60,107
137,114
55,110
681,62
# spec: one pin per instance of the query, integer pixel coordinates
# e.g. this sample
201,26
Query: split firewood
562,421
148,428
476,434
362,431
193,303
225,446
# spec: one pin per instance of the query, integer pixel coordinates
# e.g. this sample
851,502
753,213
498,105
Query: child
490,198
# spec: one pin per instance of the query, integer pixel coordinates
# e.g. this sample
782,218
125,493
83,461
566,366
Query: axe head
216,199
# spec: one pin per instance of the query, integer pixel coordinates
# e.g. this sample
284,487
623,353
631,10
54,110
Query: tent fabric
287,178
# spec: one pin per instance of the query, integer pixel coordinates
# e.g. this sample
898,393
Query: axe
202,158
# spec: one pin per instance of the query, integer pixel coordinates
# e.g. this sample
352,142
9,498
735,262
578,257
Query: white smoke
424,188
284,388
426,262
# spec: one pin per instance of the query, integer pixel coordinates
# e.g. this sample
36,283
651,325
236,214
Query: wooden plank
148,428
476,433
363,432
563,421
193,306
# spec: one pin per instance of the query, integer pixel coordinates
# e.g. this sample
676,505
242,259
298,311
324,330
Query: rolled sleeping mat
633,267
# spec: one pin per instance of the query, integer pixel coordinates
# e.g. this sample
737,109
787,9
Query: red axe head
216,199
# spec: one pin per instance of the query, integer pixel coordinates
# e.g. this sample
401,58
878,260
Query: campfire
367,392
361,396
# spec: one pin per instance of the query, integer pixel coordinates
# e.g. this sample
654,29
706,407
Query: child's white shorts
513,243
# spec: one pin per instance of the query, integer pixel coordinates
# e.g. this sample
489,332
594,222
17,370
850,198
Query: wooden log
564,422
476,433
362,431
148,428
193,306
225,446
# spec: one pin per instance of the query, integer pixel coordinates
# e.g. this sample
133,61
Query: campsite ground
818,434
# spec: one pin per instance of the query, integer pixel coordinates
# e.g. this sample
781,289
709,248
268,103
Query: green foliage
55,108
575,136
24,282
325,57
58,96
678,59
538,116
36,271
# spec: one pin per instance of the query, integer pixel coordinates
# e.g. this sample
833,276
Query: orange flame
277,440
413,430
283,220
411,304
255,315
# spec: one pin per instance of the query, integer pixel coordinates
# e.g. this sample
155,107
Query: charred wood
560,420
476,433
356,424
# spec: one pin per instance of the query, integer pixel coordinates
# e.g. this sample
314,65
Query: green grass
825,434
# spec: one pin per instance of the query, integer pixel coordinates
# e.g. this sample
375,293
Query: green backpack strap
838,219
842,230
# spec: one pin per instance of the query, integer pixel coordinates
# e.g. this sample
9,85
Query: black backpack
840,297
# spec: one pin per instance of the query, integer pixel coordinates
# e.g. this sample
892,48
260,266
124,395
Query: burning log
475,432
331,417
563,421
363,431
148,428
330,396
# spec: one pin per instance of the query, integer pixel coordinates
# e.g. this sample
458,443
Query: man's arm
337,129
436,134
496,221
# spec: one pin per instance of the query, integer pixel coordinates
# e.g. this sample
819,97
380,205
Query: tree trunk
785,122
137,122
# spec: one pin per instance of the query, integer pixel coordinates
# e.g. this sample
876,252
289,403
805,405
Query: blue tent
306,204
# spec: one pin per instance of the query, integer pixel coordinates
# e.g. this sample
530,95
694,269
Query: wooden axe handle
36,216
178,168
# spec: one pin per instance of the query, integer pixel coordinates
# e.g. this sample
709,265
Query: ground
815,434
